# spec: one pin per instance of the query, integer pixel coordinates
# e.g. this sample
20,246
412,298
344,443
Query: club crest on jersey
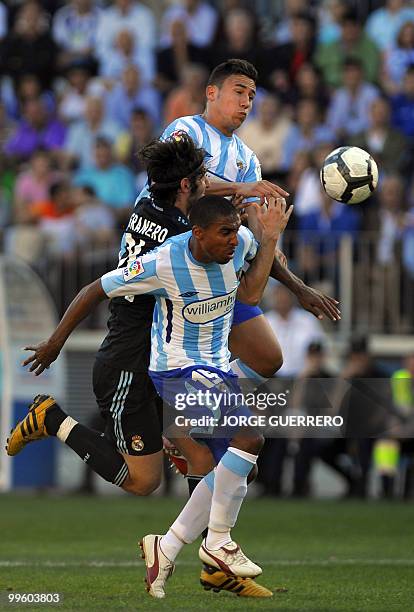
177,135
133,268
240,165
137,443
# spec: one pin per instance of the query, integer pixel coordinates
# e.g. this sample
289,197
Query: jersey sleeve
184,124
254,171
250,244
138,277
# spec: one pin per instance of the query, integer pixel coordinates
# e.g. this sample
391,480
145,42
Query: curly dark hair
168,162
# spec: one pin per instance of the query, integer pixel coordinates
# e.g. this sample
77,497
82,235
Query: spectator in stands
283,32
72,104
384,23
331,13
94,221
239,41
189,98
129,94
307,133
113,183
125,15
57,203
3,20
29,48
310,397
353,43
200,20
307,197
386,144
81,136
391,222
398,58
32,185
402,384
402,106
46,226
140,132
308,84
391,216
287,59
320,232
348,113
365,408
74,29
28,88
171,59
37,129
266,134
295,329
126,53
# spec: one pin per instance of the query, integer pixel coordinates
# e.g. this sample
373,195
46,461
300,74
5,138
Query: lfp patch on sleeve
133,268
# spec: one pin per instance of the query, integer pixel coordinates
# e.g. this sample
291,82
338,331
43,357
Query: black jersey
128,342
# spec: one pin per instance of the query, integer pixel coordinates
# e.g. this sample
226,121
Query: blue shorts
207,395
244,312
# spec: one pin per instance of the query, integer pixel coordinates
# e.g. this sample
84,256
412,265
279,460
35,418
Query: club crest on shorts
133,268
137,443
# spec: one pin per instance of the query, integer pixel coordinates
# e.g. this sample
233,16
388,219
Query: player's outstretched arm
273,220
254,189
310,299
47,352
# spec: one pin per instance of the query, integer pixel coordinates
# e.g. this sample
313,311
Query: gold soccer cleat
32,427
216,580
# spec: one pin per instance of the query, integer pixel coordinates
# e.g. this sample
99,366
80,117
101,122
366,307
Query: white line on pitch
274,562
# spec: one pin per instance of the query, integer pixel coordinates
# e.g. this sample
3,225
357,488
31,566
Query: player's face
233,101
219,240
200,190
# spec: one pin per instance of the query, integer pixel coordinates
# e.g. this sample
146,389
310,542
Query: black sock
95,450
192,483
91,446
54,419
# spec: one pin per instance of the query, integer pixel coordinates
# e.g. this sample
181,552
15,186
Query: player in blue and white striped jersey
194,278
194,302
233,169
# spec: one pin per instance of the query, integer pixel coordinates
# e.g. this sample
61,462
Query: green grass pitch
331,556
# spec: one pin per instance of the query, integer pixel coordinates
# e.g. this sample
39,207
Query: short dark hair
232,66
168,162
209,208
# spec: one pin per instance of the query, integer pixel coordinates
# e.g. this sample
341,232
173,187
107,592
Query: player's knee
252,475
142,486
270,363
249,443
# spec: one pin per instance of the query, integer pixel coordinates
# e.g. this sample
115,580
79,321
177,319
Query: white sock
192,520
171,545
230,488
248,379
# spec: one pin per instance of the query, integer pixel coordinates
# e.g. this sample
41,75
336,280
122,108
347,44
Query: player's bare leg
254,342
144,473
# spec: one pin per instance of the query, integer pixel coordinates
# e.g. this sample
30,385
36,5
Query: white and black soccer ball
349,175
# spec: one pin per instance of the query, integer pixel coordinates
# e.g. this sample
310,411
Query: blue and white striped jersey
194,301
228,158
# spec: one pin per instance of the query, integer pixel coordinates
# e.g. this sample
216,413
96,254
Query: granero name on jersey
147,228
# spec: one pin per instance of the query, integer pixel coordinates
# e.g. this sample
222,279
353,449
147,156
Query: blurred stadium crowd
84,84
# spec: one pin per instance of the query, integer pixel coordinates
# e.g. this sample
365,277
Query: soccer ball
349,175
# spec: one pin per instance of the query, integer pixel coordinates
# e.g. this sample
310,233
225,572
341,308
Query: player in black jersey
129,454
